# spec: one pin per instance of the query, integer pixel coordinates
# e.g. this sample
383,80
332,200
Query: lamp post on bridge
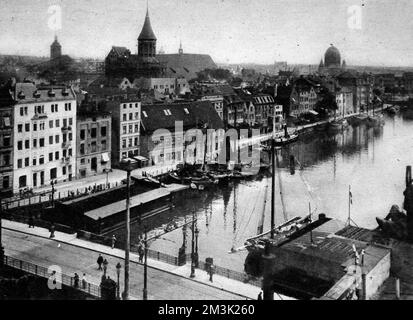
127,165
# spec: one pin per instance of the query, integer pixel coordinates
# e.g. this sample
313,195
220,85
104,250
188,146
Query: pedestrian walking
141,252
84,281
52,229
211,272
31,221
113,241
105,266
260,296
76,280
100,261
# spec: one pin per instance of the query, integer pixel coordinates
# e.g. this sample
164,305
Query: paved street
161,285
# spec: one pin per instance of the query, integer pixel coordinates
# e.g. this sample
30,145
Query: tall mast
272,187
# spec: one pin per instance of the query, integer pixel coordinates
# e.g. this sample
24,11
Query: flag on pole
350,196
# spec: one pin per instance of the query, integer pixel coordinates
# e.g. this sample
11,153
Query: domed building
332,58
332,61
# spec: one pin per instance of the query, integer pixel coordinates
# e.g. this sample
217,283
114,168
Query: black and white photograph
206,151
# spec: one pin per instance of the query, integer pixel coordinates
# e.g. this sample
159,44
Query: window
51,140
41,160
136,128
82,161
124,106
82,148
130,116
93,146
136,141
130,128
82,134
27,127
20,128
70,121
136,105
27,144
64,170
19,145
103,131
70,152
51,156
124,129
6,182
6,141
57,138
56,155
41,126
136,115
19,163
70,136
64,153
34,179
21,111
124,117
27,162
130,142
104,145
93,133
51,124
41,142
22,181
34,161
64,123
57,123
64,137
123,143
34,143
53,173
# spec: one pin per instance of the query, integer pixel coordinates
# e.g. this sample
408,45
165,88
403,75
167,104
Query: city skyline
231,31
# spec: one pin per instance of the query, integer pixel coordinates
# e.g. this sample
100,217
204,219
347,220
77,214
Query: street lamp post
118,267
128,166
52,183
145,267
193,247
196,256
1,238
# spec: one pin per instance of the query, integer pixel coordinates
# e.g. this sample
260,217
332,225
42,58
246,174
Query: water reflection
371,160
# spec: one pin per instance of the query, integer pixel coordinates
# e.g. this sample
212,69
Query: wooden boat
282,141
375,120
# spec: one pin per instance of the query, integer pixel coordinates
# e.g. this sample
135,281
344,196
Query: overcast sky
233,31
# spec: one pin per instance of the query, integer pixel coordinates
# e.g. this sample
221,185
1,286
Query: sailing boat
286,139
375,120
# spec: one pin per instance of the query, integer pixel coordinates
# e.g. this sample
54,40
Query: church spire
181,51
147,32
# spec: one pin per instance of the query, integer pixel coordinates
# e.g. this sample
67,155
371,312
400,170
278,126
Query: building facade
6,148
303,98
44,135
126,126
93,148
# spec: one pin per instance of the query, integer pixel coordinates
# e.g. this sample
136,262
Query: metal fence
231,274
66,280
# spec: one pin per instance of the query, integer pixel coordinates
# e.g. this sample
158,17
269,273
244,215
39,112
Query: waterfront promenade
165,281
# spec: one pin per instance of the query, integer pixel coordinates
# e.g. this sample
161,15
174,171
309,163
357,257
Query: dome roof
147,32
332,57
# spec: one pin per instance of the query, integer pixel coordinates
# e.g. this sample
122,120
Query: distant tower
181,51
147,39
55,49
344,64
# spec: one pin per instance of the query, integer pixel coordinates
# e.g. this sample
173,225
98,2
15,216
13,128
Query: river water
370,160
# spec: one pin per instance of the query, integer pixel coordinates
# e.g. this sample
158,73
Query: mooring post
408,175
397,283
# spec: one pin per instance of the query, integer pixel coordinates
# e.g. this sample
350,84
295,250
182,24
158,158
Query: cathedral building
120,62
332,63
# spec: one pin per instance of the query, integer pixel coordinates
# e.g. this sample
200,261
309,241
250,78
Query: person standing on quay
113,241
52,228
100,261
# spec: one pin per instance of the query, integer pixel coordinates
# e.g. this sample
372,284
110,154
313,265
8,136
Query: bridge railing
40,271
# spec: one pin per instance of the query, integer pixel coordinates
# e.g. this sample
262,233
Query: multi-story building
344,100
303,97
93,136
126,126
6,146
166,86
264,111
180,146
44,135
